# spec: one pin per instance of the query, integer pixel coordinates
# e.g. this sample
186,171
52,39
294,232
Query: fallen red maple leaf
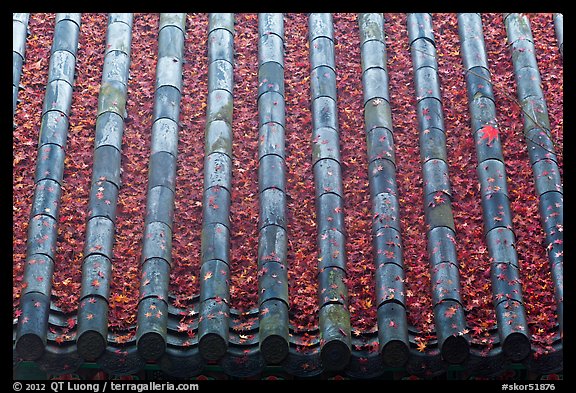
450,312
489,132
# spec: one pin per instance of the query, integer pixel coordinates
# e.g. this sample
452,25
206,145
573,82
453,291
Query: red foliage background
184,285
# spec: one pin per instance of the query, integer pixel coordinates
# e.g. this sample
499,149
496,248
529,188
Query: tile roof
245,343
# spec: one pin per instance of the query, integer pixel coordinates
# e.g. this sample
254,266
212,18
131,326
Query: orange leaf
421,346
450,312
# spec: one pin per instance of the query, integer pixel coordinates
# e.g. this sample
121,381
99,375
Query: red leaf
489,132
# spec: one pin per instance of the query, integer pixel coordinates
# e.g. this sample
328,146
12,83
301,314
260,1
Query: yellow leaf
421,346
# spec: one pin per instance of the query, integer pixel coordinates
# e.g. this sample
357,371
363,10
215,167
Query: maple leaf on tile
489,132
450,312
421,346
